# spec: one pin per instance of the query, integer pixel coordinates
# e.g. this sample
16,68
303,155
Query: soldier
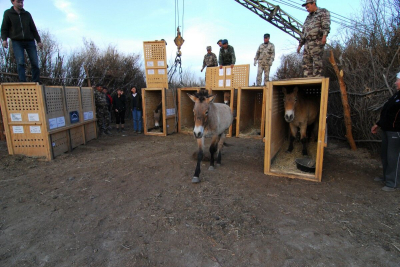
102,113
210,59
265,55
219,43
315,30
226,55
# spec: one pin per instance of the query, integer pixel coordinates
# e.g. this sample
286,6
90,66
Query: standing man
219,43
315,30
18,25
102,113
265,55
136,108
210,59
226,55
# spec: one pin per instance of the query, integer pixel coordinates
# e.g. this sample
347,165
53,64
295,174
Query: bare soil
128,200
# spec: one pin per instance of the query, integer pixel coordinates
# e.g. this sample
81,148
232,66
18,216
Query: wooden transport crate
151,99
277,161
219,92
37,119
185,109
251,112
155,58
227,77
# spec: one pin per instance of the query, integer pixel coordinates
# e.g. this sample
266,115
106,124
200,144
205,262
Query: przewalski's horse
211,118
300,112
158,116
227,97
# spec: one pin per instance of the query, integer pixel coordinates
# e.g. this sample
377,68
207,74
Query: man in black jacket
136,108
18,25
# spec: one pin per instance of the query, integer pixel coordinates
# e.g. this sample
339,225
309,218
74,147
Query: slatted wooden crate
155,58
241,75
37,119
251,112
151,99
227,77
219,92
277,161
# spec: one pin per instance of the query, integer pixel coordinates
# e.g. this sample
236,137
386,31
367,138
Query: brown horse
300,112
209,118
227,97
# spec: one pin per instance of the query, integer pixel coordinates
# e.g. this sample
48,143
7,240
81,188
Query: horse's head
289,100
227,97
201,108
157,117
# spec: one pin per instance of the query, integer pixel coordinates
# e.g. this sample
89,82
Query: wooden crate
227,77
219,92
277,161
215,78
37,119
241,75
251,112
155,58
151,99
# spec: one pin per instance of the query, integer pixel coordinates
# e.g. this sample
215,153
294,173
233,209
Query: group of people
105,104
315,31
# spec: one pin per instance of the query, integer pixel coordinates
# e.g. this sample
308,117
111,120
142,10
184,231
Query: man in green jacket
226,55
18,25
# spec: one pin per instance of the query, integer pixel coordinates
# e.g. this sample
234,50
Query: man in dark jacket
136,108
226,55
18,25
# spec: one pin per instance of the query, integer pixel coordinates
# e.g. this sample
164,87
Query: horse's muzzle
198,135
289,118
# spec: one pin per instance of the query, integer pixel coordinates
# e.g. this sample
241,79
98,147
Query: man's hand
202,69
298,49
323,41
220,66
5,44
255,62
232,66
40,45
116,110
374,129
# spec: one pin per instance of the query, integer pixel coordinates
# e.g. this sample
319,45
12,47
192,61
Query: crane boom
274,15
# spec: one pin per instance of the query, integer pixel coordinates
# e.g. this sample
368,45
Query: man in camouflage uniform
210,59
315,30
226,55
102,113
265,55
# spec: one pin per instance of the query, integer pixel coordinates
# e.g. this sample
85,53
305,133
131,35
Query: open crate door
277,131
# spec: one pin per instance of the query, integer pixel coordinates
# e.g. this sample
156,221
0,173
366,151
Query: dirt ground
128,200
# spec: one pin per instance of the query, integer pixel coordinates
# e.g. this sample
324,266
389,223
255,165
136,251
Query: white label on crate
150,72
88,115
161,71
53,144
170,111
60,122
18,129
35,129
221,72
150,64
228,71
33,116
228,83
221,83
16,117
161,63
52,123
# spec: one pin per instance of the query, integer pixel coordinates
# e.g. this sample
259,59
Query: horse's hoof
195,180
211,168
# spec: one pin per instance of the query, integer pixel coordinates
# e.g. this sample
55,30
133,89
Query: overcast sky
127,24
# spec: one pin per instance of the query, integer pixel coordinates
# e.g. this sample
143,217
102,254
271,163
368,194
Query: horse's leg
200,143
303,137
213,149
293,131
220,145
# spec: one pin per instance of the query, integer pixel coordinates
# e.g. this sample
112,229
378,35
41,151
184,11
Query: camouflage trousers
312,58
103,118
261,69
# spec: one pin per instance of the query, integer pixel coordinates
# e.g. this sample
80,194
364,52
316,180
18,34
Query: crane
274,15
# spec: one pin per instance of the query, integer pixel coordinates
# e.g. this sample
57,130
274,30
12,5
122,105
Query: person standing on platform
389,123
210,59
119,107
136,108
18,25
226,55
265,55
315,31
102,113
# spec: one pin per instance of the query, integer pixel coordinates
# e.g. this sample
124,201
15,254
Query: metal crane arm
274,15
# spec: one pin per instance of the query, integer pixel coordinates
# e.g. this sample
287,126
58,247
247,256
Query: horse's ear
211,98
284,90
194,98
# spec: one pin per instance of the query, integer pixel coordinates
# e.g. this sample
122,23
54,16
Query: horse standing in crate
301,111
209,118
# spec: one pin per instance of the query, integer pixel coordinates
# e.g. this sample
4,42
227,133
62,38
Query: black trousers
120,117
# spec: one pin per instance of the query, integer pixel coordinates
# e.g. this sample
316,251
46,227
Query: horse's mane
202,95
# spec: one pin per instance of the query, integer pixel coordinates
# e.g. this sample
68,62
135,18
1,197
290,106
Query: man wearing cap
102,113
315,30
219,43
226,55
265,55
210,59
